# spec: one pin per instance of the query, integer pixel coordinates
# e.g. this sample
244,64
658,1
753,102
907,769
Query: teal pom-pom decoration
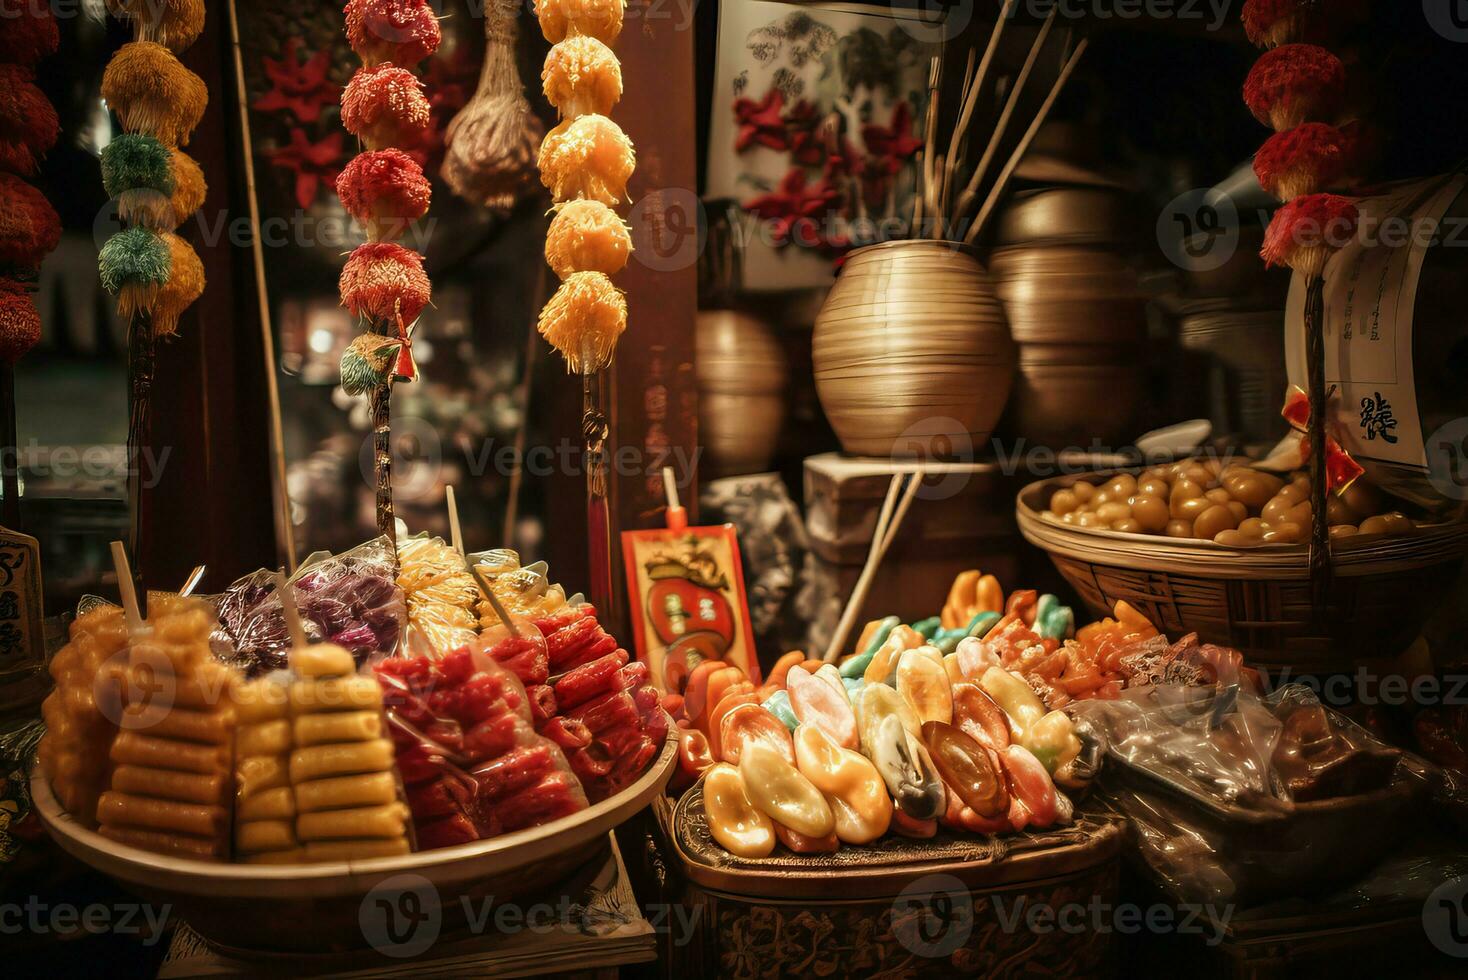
366,363
134,162
136,257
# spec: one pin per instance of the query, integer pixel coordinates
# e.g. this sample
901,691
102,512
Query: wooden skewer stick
1024,144
888,523
127,589
456,531
192,582
293,624
670,489
996,139
971,100
930,136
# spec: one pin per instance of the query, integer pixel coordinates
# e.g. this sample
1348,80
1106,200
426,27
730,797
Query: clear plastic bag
468,751
442,597
351,599
1233,797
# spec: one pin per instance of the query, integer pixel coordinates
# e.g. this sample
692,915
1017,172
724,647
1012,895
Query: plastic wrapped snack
81,712
622,717
341,764
172,758
468,751
442,597
524,591
351,600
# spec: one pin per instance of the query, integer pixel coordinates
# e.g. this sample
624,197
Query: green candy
856,666
778,704
981,624
947,640
853,686
884,630
928,628
1052,620
134,162
135,257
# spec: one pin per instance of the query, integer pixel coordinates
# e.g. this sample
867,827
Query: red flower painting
300,88
792,210
313,164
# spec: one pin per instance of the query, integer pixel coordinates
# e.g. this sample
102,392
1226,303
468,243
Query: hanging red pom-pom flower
403,32
29,227
20,324
1301,161
1293,84
385,106
385,190
28,122
1305,232
383,281
29,33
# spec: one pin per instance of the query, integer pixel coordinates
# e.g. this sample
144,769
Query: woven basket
1257,599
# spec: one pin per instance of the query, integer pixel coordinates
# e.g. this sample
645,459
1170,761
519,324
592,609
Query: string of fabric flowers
29,227
1298,89
383,283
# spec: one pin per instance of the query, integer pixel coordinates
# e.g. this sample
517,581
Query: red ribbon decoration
1341,470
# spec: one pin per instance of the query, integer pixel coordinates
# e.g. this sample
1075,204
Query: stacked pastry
585,162
172,757
265,804
341,765
81,712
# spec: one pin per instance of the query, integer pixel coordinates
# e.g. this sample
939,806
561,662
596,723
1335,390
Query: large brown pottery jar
912,352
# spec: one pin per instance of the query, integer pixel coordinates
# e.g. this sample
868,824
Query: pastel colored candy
778,704
801,844
1015,697
928,628
850,783
906,826
747,724
716,717
967,769
923,681
1031,786
832,676
907,770
976,714
778,790
818,702
876,702
1053,740
975,657
734,821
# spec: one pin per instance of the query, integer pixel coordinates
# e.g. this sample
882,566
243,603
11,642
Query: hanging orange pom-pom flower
385,190
587,236
184,286
403,32
583,321
30,32
601,19
1293,84
383,281
20,324
28,122
29,226
1308,230
1300,161
581,77
153,93
175,24
587,157
385,106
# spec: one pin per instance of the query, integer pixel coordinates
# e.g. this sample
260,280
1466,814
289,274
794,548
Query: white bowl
320,907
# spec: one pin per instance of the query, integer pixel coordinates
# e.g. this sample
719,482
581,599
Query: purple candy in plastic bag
351,599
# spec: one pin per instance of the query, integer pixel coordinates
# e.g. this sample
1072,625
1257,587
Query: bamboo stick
930,136
127,589
996,138
1024,144
882,539
970,102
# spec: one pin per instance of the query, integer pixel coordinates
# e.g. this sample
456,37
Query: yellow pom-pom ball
582,77
175,24
583,321
587,157
587,236
153,93
184,287
560,19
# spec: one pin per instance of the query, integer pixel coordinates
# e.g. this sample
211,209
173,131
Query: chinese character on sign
1377,418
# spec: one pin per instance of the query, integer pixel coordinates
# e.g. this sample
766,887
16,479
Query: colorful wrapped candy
442,596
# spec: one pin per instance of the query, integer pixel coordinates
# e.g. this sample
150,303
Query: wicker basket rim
1434,544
